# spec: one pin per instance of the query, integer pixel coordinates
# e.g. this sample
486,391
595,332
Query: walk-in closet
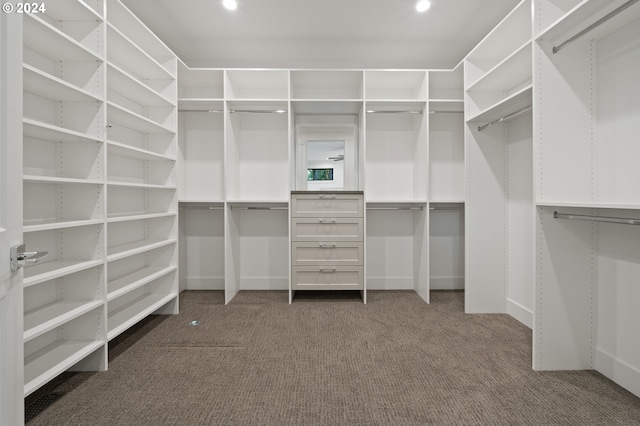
508,175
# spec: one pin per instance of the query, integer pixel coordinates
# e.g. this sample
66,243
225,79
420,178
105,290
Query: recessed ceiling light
230,4
423,5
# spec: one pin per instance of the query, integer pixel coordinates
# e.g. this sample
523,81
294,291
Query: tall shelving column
201,178
586,312
256,180
142,204
499,208
446,179
64,190
396,162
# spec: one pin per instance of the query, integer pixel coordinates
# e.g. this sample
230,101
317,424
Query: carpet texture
328,359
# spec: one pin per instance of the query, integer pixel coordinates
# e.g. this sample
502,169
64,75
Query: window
319,174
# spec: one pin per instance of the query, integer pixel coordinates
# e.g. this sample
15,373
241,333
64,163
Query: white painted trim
619,371
519,312
446,283
267,283
203,283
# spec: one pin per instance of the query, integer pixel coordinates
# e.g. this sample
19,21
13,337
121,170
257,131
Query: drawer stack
327,240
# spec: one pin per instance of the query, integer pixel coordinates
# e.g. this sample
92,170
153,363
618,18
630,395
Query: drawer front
327,229
334,205
327,278
327,253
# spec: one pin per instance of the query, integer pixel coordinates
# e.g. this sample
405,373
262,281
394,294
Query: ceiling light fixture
230,4
423,5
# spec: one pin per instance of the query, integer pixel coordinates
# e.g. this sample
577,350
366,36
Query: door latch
21,258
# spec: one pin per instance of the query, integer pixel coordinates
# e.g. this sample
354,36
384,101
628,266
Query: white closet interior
462,172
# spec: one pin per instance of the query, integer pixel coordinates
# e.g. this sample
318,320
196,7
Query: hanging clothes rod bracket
622,220
506,117
599,22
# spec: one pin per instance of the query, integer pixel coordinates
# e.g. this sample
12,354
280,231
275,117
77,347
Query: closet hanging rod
201,110
446,208
395,208
445,112
506,117
622,220
384,111
257,111
599,22
258,208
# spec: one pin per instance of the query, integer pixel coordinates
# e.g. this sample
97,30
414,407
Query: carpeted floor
327,359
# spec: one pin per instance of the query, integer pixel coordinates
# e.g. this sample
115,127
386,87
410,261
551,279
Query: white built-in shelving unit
99,185
499,209
238,151
585,139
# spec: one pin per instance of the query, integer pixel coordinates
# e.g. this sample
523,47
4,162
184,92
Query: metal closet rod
395,208
506,117
599,22
446,208
384,111
202,110
258,208
445,112
622,220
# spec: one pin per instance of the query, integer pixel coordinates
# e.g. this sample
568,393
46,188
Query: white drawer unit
327,277
323,204
327,241
325,252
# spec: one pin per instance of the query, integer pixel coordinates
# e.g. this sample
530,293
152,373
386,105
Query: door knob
20,258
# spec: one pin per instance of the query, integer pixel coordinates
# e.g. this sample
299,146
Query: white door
11,346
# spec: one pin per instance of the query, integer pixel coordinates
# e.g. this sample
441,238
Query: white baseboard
390,283
519,312
206,283
622,373
446,283
259,283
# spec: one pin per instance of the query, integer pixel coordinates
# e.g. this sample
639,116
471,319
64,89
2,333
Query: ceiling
360,34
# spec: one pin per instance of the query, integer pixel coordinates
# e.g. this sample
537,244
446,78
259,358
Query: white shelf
134,89
123,150
447,105
514,70
200,104
58,180
40,130
139,185
516,101
135,121
124,285
46,225
130,314
327,106
41,272
133,58
56,358
50,87
53,315
41,37
126,250
141,216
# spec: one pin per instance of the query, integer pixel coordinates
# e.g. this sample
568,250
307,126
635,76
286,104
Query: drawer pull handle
327,221
328,270
327,197
328,245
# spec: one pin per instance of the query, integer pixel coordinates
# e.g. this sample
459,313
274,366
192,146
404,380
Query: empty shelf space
139,185
512,103
132,120
51,42
46,225
50,316
139,308
117,148
40,130
140,216
58,180
512,71
71,10
54,359
38,273
51,87
123,285
201,104
118,252
134,89
589,205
